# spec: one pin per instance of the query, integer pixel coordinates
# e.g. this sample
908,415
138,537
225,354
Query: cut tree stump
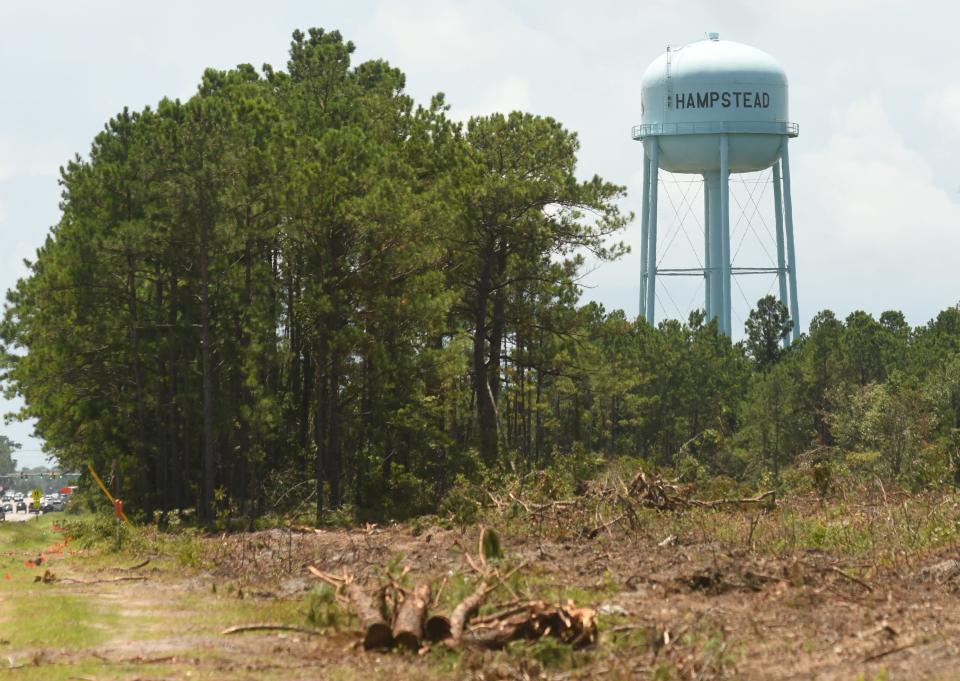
408,628
376,631
437,628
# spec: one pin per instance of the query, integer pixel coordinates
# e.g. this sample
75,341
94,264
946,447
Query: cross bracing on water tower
717,109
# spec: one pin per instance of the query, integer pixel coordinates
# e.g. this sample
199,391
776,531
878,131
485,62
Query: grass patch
30,535
39,617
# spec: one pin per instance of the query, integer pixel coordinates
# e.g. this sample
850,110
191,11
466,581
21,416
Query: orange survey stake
118,508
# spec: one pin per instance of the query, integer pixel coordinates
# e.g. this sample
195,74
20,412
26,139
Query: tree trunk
486,410
209,452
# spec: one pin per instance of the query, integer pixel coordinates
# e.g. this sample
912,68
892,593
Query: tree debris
369,610
413,624
534,620
135,567
411,614
268,627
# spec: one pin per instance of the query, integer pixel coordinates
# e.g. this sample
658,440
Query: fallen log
376,631
469,605
436,628
466,609
369,610
408,628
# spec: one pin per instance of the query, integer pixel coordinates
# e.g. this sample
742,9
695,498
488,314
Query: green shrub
463,502
323,611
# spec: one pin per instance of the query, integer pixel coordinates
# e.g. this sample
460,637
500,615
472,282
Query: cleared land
866,589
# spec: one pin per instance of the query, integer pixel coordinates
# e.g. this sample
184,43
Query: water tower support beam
644,234
714,248
725,230
781,263
652,227
791,252
707,307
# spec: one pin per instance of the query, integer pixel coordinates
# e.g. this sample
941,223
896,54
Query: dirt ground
800,592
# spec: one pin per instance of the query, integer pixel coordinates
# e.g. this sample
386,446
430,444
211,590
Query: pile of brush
393,616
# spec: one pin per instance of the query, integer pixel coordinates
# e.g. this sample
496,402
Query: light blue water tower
712,108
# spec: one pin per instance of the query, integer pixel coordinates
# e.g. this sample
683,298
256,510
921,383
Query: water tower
712,108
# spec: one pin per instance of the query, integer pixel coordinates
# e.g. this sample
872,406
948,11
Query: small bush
463,502
323,611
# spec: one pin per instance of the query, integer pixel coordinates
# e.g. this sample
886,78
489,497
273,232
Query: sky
874,86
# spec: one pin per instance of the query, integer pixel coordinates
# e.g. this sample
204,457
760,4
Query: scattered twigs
601,506
71,580
768,499
268,627
571,625
843,573
890,651
135,567
852,578
436,596
506,609
47,577
521,502
332,580
603,527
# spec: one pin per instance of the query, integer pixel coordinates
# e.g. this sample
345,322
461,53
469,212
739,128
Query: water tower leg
708,310
652,227
644,234
778,217
791,252
714,248
725,230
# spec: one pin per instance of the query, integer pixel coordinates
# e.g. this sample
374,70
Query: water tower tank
715,107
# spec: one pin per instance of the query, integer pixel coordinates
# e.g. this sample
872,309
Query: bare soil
679,596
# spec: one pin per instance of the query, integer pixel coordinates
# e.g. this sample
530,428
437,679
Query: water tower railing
640,132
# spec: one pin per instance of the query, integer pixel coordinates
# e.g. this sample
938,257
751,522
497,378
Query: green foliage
7,447
547,651
299,295
462,503
767,325
323,611
96,531
490,546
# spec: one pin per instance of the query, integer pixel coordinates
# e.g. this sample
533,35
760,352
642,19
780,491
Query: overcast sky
874,85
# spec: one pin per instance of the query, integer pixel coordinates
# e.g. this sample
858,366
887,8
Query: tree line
302,284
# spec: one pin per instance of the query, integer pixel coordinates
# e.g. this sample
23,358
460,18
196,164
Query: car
51,504
7,506
21,506
3,515
35,508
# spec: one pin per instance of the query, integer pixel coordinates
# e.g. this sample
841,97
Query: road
20,517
